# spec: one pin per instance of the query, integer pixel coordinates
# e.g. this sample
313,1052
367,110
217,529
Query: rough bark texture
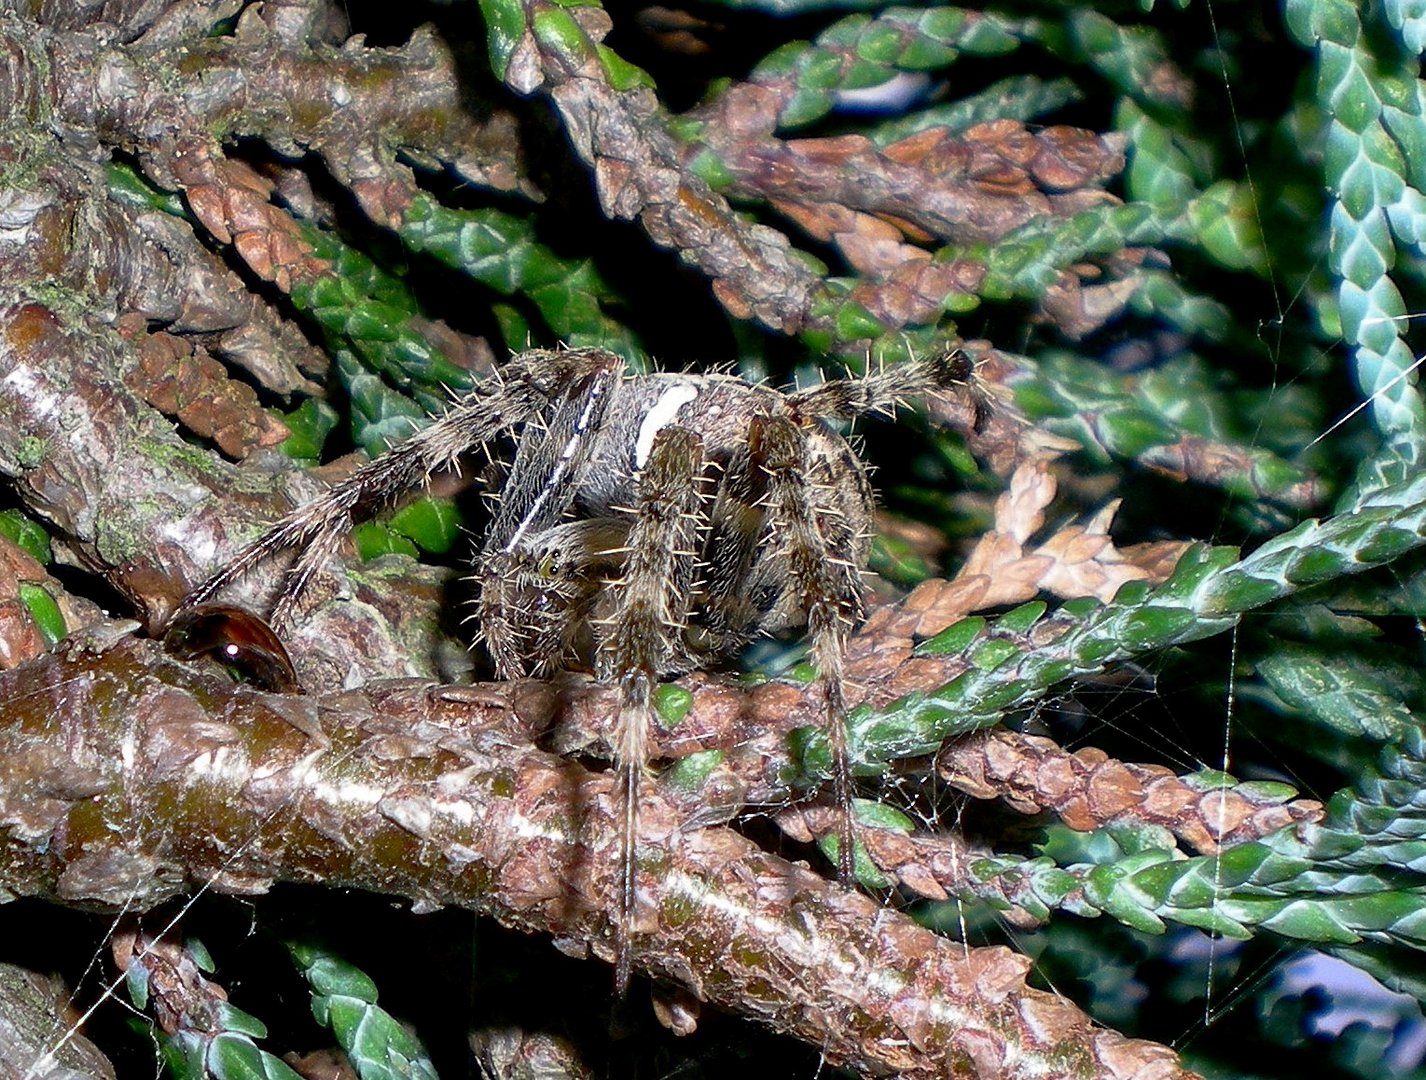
130,778
32,1022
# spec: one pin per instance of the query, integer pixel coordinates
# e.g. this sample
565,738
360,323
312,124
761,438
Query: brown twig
639,173
182,381
267,80
963,188
1088,789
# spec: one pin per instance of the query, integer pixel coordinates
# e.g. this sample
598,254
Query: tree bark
129,778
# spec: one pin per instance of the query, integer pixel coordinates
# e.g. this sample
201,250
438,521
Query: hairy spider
648,525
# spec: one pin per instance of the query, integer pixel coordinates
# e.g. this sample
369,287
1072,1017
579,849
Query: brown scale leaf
933,866
963,187
183,381
1064,166
1211,462
901,284
20,638
916,290
326,1064
1088,789
1005,567
969,187
640,173
872,246
1078,306
181,997
232,201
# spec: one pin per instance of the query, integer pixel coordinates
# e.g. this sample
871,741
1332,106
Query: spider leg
846,399
729,609
527,594
317,527
819,544
520,395
641,638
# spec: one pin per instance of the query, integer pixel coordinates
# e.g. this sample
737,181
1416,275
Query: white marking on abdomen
660,416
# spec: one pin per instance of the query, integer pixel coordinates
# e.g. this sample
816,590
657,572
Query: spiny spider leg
474,420
735,527
820,549
651,606
847,399
310,558
520,395
523,603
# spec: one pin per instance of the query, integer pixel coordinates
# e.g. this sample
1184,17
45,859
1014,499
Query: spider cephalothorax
648,525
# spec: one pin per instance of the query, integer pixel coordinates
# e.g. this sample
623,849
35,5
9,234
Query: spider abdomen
543,601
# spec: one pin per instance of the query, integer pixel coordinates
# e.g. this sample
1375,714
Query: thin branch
1088,789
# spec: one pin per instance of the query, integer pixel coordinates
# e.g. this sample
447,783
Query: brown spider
648,525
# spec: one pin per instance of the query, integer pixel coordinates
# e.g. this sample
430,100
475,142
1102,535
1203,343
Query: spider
648,525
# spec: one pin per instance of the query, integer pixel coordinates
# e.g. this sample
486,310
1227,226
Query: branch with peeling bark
432,793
